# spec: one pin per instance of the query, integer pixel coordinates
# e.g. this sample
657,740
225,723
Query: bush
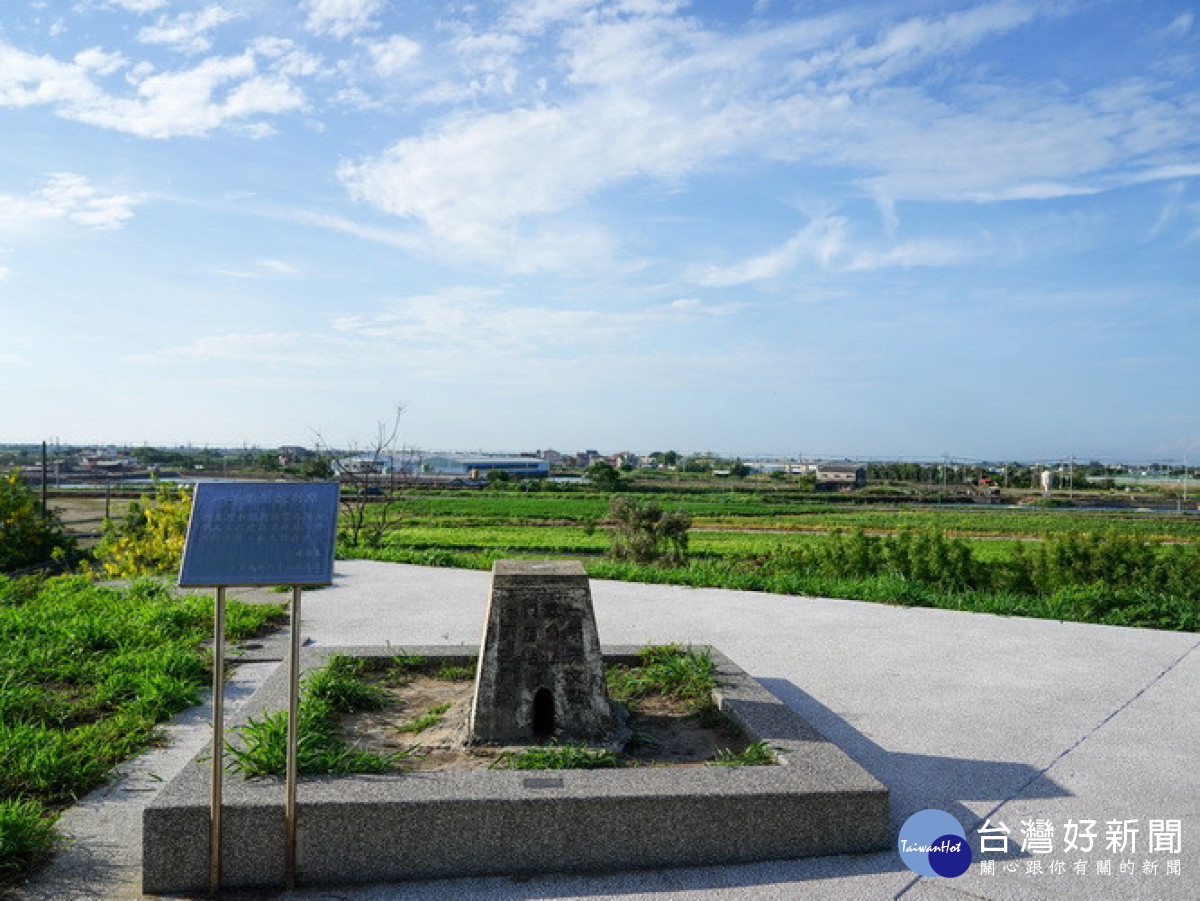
28,537
149,539
644,533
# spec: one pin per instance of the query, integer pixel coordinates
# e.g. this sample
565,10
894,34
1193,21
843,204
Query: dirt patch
665,734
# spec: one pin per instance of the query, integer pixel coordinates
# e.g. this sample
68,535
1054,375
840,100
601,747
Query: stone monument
541,673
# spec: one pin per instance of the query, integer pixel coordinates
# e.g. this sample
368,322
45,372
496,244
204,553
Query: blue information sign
260,533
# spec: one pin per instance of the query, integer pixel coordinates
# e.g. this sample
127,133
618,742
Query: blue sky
862,229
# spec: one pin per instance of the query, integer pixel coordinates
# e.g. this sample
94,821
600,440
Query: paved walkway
1011,720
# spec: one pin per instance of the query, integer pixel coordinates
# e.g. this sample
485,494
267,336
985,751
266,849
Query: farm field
1122,567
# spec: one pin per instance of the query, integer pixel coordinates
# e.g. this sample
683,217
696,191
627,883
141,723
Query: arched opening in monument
543,714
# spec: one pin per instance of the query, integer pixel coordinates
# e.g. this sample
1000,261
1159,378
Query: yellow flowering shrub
149,539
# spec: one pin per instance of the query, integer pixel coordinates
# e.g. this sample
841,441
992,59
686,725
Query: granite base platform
354,829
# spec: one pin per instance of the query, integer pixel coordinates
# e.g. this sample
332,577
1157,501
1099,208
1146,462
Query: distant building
105,461
477,467
291,454
586,458
377,464
840,476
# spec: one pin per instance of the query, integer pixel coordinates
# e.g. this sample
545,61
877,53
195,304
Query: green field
746,510
1126,568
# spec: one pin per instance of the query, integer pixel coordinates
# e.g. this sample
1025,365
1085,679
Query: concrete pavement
1035,726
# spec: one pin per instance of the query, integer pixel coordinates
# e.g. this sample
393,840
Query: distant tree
604,475
268,461
643,532
317,468
739,470
28,536
369,495
497,477
670,458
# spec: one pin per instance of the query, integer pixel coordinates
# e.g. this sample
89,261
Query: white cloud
187,32
341,18
71,197
393,54
534,16
27,80
216,92
470,179
137,6
650,96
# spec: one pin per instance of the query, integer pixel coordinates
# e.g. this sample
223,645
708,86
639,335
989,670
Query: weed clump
337,688
555,756
672,671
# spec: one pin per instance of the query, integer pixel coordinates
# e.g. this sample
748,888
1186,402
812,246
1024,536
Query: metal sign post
289,799
218,743
258,534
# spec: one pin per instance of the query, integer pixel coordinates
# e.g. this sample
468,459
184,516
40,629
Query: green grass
456,673
555,756
27,836
683,674
757,754
86,673
428,719
260,747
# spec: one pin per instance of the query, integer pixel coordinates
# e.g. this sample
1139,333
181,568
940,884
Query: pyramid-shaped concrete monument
541,671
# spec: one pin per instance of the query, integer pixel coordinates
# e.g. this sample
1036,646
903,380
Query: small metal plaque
261,533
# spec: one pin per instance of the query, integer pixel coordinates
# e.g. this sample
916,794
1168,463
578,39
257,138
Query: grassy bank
86,673
1097,578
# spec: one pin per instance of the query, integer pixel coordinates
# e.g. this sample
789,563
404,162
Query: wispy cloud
277,348
260,269
469,329
827,243
1181,25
